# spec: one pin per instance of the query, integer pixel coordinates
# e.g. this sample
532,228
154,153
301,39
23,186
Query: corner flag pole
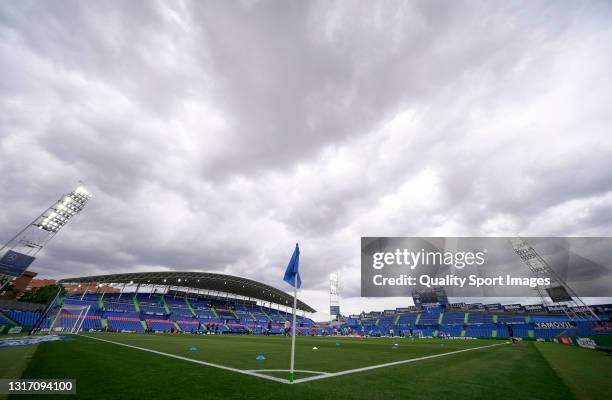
291,374
292,277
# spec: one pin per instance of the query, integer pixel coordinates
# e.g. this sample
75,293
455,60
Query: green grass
13,361
526,371
580,369
241,351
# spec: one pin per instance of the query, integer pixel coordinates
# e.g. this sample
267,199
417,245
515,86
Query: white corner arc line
208,364
305,371
352,371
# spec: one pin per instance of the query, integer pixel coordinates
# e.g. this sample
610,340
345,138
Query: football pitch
159,366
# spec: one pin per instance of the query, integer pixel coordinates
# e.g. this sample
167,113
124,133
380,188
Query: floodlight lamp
82,191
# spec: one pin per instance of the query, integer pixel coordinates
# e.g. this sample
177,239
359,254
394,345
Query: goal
69,319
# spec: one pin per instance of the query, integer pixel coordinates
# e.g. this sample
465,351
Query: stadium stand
119,302
4,320
453,318
211,309
511,319
179,308
23,317
125,324
429,316
156,313
479,318
450,330
188,312
159,325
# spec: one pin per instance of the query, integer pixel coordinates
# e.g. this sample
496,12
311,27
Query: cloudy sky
214,135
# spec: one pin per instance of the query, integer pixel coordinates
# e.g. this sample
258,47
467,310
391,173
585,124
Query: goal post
69,319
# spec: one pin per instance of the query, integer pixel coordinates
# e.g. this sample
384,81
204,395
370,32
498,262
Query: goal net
69,319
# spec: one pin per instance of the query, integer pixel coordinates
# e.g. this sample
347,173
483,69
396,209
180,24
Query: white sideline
352,371
240,371
323,375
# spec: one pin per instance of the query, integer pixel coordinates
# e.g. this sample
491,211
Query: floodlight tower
557,291
20,252
334,300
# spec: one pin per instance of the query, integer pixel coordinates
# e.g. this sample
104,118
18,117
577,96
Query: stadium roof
199,280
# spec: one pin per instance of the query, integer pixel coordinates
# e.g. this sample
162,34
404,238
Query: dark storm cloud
216,134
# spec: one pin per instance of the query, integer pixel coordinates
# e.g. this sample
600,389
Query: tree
43,294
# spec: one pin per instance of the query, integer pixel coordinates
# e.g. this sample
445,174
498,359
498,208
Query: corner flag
293,268
292,277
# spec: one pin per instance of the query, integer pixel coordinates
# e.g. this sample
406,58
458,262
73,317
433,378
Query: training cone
260,357
315,348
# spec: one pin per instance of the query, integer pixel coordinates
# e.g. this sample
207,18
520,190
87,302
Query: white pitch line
286,370
240,371
352,371
323,375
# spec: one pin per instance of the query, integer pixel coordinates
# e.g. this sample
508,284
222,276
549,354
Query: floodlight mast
31,239
334,300
575,309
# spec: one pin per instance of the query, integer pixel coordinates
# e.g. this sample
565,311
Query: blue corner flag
293,268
